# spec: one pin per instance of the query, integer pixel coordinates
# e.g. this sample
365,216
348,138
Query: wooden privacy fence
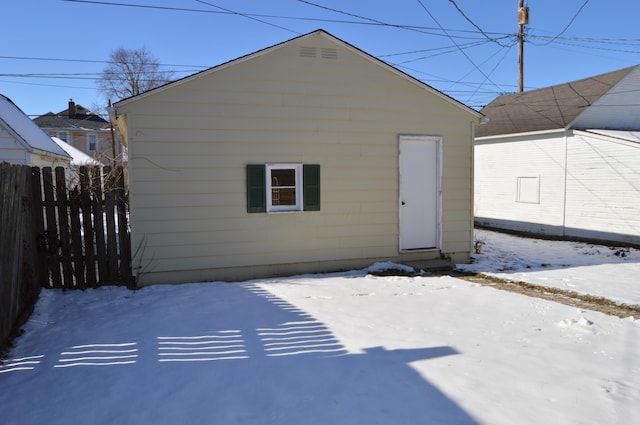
19,286
82,232
54,236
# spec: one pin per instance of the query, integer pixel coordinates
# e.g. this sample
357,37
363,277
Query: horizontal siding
603,187
11,150
189,145
499,163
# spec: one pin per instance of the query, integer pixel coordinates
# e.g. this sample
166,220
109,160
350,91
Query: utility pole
523,19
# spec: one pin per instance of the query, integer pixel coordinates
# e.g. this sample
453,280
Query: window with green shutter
256,198
283,187
311,187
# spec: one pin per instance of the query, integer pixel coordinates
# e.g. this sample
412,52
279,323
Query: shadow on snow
222,353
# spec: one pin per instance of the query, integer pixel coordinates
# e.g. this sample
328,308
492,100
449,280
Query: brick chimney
72,109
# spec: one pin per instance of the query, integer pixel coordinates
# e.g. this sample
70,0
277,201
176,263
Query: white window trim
89,143
284,208
526,197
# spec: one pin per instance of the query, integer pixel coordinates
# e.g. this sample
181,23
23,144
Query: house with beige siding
563,161
307,156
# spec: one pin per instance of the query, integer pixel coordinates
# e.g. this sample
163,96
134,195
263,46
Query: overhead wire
454,42
454,35
569,24
245,15
464,15
364,20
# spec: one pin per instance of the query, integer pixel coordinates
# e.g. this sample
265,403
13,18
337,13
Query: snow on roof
77,156
32,136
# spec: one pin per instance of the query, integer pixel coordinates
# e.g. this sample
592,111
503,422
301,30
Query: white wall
11,150
603,188
598,197
519,184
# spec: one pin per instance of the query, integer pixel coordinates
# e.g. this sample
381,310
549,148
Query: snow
343,348
22,125
78,157
585,268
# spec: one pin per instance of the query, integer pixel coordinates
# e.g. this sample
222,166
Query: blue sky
53,50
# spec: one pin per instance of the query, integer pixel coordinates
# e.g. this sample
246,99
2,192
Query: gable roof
554,107
316,33
26,131
82,119
77,156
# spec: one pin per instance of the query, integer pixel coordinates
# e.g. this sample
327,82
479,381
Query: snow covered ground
346,348
604,271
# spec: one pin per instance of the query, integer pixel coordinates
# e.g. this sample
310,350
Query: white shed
563,160
22,142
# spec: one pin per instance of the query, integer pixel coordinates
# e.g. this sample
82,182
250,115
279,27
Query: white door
419,192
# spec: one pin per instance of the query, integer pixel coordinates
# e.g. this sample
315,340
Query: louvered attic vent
308,52
329,53
312,52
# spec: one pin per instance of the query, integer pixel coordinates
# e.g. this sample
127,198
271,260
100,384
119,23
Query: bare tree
131,72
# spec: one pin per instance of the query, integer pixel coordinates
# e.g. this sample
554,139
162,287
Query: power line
454,42
34,58
582,46
570,22
364,20
244,15
494,40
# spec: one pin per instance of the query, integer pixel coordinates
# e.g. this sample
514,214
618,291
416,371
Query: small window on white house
64,136
92,142
284,187
528,190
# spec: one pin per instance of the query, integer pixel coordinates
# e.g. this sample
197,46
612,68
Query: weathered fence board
19,284
81,251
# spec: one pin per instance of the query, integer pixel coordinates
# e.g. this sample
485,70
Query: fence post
109,205
98,222
76,238
87,225
52,241
30,279
42,273
11,249
63,221
123,229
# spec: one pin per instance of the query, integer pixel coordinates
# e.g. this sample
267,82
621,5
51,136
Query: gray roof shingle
548,108
82,119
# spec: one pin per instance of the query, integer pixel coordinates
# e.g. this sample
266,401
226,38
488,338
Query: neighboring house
82,129
307,156
78,158
563,160
24,143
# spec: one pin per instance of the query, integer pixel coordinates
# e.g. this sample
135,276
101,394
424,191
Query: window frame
64,136
298,206
95,137
528,189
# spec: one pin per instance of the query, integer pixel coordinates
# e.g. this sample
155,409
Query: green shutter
311,187
256,188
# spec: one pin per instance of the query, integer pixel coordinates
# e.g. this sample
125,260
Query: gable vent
329,53
308,52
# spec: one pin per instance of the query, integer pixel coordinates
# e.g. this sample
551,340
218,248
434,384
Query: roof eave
528,133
